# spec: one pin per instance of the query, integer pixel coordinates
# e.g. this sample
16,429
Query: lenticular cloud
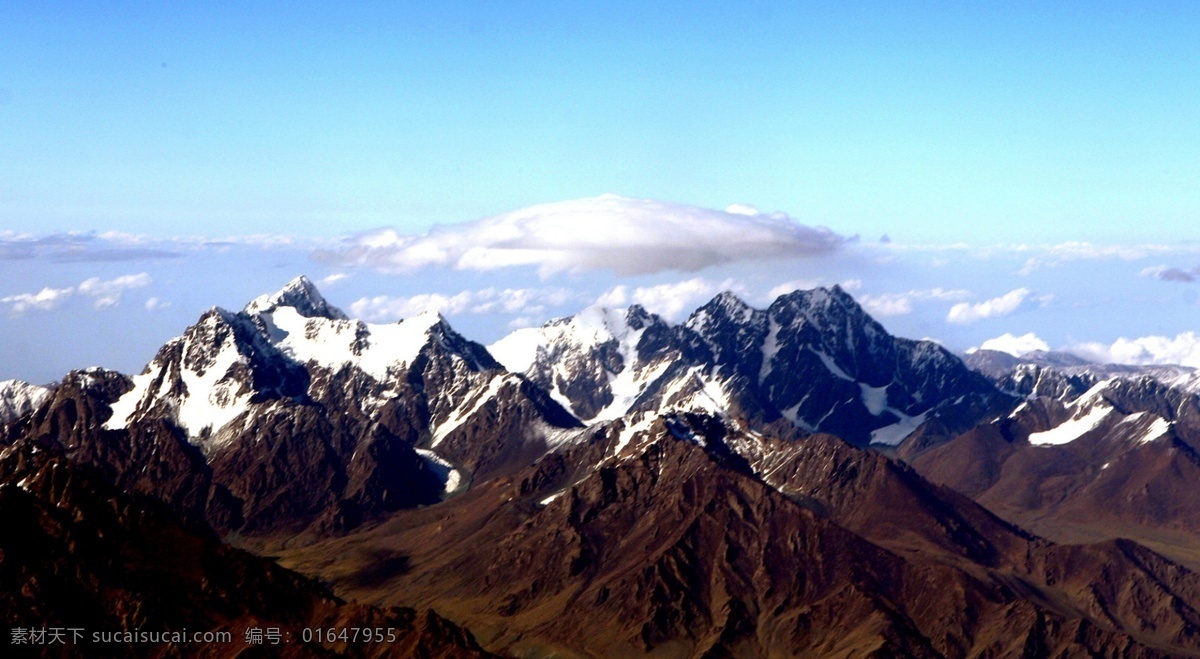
627,236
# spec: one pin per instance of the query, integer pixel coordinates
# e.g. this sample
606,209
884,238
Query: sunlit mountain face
580,330
744,481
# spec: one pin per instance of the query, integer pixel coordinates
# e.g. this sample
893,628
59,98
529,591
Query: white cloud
79,247
609,232
741,209
966,312
385,308
1015,345
1049,256
525,301
97,286
117,246
522,322
617,296
154,304
1167,273
46,299
105,293
333,278
1038,256
794,285
1181,349
886,305
673,300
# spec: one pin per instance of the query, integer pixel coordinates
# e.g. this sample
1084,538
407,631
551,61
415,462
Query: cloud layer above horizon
71,299
622,235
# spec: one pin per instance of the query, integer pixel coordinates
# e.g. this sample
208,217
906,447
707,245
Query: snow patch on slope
208,402
875,399
212,400
1157,429
519,350
896,432
770,348
831,365
124,407
459,416
1071,429
334,344
452,478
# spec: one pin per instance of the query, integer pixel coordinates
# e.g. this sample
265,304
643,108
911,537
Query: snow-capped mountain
17,399
1092,450
1122,410
598,363
633,486
813,361
288,346
296,413
1068,399
1001,365
288,412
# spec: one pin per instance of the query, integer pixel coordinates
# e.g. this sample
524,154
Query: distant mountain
1093,451
999,365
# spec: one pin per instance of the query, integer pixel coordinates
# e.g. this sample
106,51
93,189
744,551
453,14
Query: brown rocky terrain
76,553
675,551
1129,470
718,503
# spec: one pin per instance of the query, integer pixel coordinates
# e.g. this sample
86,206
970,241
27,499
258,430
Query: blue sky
983,126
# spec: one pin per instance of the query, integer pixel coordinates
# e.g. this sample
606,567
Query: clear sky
922,120
936,124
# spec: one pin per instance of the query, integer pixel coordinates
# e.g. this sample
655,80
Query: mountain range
787,481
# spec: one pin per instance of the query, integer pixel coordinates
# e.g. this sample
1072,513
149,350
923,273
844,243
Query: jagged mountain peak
286,346
813,359
593,326
18,398
822,306
827,308
725,307
430,318
300,294
601,324
730,300
430,324
593,363
638,317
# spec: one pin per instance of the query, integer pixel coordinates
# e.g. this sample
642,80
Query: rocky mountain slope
615,484
813,361
1086,455
673,547
287,415
78,554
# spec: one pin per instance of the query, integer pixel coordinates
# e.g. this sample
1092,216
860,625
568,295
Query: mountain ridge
707,483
